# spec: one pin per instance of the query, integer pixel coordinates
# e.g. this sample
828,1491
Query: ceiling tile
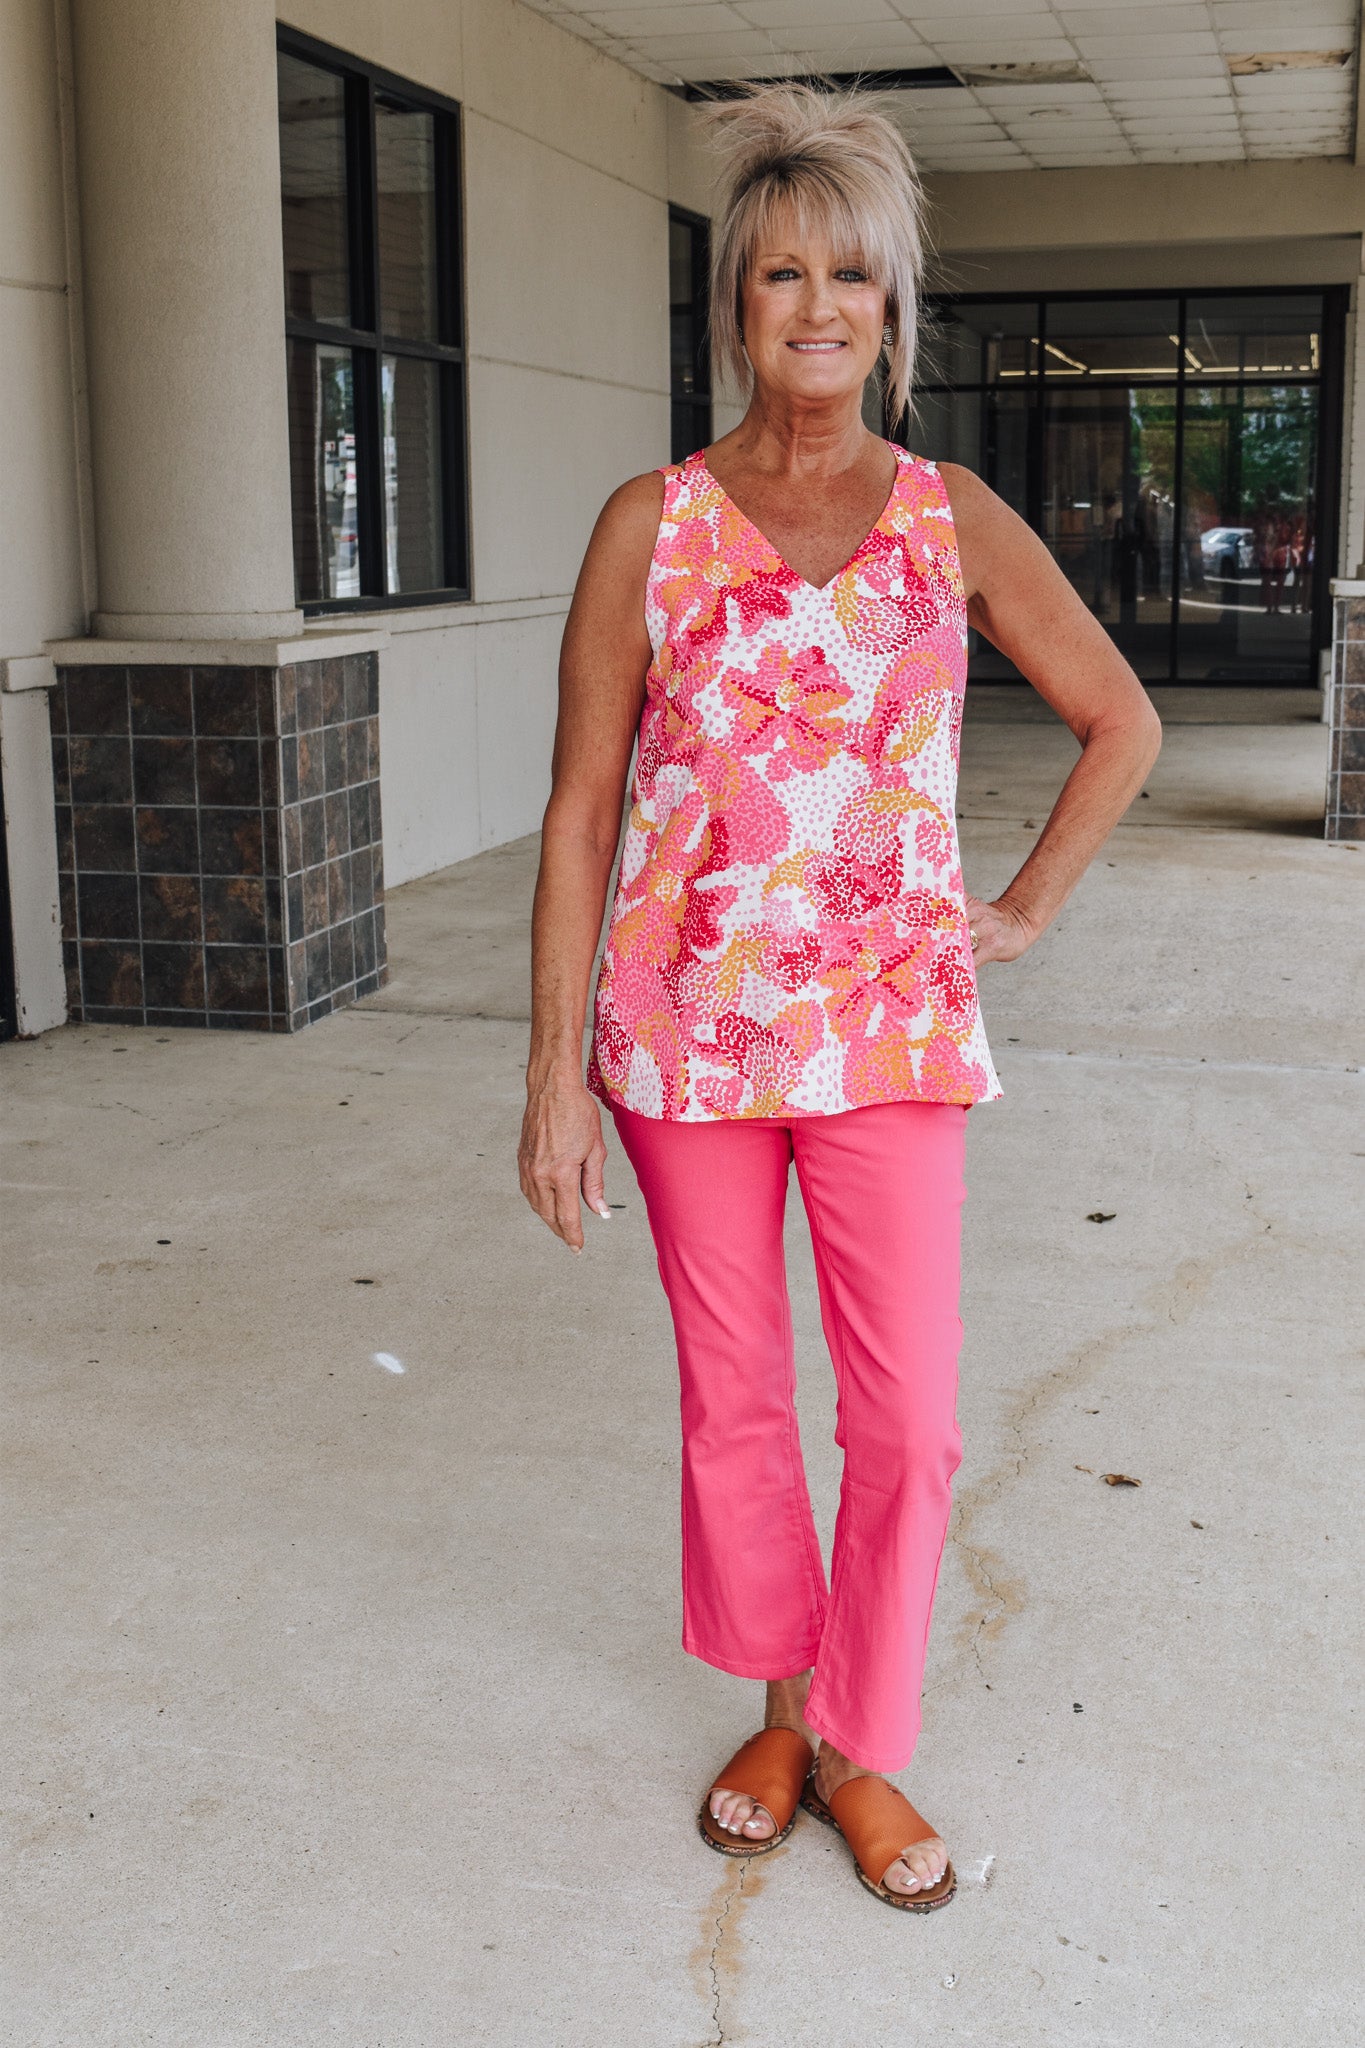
1108,71
699,19
824,14
986,28
1153,21
1284,21
1188,43
896,36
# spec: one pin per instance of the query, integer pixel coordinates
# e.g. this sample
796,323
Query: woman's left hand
1001,932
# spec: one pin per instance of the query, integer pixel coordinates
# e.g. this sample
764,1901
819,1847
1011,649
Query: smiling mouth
816,348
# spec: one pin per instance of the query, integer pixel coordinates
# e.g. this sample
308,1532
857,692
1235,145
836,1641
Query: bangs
804,205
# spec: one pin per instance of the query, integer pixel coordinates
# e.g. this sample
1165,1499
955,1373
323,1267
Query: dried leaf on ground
1101,1215
1119,1479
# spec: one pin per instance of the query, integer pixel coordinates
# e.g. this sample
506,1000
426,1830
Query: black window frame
369,344
1329,379
698,403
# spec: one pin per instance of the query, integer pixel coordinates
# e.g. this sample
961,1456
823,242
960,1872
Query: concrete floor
348,1704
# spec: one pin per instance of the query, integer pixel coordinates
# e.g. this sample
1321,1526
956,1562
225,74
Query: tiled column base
219,842
1346,717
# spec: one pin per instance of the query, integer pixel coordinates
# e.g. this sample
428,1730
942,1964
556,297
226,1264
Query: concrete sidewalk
348,1702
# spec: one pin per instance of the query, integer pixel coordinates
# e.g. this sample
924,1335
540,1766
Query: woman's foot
735,1811
920,1865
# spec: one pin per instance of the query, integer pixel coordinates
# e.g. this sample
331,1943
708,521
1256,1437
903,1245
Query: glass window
405,166
313,192
375,373
1170,451
970,342
1119,340
689,266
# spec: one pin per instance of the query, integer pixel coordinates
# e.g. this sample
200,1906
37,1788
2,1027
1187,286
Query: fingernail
604,1212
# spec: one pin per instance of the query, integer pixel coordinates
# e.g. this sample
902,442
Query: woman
790,966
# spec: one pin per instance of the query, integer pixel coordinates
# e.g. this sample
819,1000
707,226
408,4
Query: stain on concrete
717,1960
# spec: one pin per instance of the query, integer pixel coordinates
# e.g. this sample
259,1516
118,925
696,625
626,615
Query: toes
917,1868
760,1824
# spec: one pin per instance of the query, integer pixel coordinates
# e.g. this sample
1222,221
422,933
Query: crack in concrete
734,1893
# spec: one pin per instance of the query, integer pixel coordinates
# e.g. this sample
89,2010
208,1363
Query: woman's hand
562,1156
1002,932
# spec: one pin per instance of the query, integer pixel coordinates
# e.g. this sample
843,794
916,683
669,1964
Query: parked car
1227,550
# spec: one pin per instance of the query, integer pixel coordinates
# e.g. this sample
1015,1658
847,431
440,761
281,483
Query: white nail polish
604,1212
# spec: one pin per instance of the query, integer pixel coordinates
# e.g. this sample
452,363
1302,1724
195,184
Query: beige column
178,158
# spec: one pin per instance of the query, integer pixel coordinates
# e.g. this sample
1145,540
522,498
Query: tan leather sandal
770,1769
879,1824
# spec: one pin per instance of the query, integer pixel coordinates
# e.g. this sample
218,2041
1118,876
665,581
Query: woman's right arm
602,668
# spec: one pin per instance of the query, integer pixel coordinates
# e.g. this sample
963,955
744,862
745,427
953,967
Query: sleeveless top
789,931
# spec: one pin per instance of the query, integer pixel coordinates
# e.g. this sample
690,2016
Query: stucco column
178,158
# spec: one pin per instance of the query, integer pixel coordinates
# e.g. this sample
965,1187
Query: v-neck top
789,931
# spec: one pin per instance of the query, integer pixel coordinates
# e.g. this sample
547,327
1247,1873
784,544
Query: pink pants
883,1191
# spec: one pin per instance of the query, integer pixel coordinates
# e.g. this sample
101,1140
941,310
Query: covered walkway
348,1614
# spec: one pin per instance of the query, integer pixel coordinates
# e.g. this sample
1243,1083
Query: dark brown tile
231,842
319,967
101,771
111,974
97,700
272,828
367,986
270,772
61,768
289,770
366,960
333,677
357,751
162,701
108,907
56,704
334,753
178,1020
315,918
377,867
312,765
293,908
234,910
114,1013
229,771
297,962
308,690
1353,617
1351,743
1353,705
362,880
71,969
1351,796
338,890
293,840
66,839
66,897
381,949
225,702
171,908
358,800
104,837
238,1020
338,815
1353,663
357,686
343,956
173,976
286,700
313,832
372,747
163,771
167,840
279,981
238,977
372,685
299,1019
323,1007
274,911
268,702
376,819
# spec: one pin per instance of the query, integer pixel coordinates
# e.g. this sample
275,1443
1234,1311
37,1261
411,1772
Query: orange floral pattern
789,933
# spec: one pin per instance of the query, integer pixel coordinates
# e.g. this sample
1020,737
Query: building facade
327,336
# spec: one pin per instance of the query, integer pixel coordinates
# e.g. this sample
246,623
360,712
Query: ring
974,935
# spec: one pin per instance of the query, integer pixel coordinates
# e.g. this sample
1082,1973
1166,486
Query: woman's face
812,318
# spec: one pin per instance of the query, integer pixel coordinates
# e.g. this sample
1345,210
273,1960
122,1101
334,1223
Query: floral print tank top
789,932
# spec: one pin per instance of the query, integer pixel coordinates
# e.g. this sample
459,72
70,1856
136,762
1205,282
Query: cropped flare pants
883,1191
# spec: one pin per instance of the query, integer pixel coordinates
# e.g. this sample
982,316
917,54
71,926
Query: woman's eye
852,276
780,276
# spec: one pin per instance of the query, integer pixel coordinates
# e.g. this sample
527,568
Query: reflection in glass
1247,564
313,182
322,470
410,398
984,431
979,344
1128,340
1109,511
1254,336
405,170
689,348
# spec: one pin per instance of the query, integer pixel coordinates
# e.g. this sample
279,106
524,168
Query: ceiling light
1287,60
1068,71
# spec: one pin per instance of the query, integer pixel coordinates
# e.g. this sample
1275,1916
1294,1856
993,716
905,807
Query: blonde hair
836,162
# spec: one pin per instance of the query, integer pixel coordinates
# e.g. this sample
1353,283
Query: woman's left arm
1019,598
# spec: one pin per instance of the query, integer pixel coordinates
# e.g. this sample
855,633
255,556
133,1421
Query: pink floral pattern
789,933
